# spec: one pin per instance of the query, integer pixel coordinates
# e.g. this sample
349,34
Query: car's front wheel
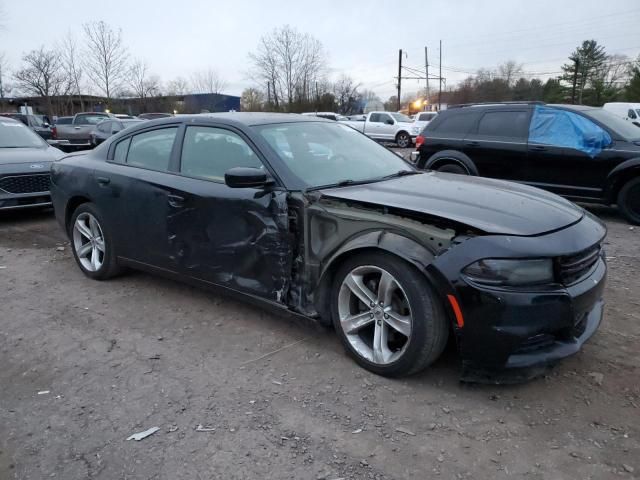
629,201
92,243
403,140
387,315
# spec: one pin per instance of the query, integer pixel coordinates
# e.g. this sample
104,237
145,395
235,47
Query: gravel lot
281,397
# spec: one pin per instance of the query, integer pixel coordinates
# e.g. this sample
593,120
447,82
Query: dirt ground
278,398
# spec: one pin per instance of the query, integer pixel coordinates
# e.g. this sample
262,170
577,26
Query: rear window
64,120
453,123
89,119
504,124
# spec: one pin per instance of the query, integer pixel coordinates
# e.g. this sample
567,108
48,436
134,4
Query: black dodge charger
310,217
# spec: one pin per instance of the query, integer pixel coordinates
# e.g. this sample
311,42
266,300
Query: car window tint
120,153
458,123
504,124
89,119
152,149
631,114
209,152
425,117
384,117
104,126
375,117
36,122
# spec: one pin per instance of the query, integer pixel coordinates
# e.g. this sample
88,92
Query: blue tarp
561,128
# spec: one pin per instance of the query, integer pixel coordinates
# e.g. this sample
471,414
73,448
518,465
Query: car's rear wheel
629,200
91,243
453,168
403,140
387,315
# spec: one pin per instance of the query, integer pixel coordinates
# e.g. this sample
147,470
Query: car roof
242,118
9,119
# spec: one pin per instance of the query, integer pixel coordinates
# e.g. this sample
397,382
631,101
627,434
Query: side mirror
246,177
46,125
388,121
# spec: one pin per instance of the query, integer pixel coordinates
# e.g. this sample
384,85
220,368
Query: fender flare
451,156
618,176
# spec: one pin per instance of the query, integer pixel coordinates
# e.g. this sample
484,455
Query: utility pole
426,69
399,76
440,80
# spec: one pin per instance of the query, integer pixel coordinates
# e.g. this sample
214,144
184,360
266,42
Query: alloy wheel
88,242
375,314
403,140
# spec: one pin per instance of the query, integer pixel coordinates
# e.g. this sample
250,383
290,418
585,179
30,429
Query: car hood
492,206
17,156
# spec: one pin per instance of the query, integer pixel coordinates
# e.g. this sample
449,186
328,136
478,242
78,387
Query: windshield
400,117
622,127
16,135
322,154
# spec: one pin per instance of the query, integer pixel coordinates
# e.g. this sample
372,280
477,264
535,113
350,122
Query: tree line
290,72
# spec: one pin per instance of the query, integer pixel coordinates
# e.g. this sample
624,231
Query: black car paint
280,245
564,171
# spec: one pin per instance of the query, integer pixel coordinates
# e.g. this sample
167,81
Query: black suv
583,153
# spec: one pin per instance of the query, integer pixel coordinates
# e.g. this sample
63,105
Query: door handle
472,143
539,148
176,201
103,180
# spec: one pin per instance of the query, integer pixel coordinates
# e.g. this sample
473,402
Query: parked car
106,128
327,115
154,116
628,111
422,119
387,126
25,159
308,216
38,123
77,134
583,153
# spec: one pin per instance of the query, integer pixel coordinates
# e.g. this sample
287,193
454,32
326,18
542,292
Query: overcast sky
361,37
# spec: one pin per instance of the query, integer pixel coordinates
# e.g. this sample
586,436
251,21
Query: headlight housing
415,130
511,272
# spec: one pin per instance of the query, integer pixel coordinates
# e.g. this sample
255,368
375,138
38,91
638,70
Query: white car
422,119
628,111
387,126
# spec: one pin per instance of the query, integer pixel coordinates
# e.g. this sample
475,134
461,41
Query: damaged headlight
492,271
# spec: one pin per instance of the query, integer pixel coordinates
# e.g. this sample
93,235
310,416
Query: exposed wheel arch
451,156
72,204
386,242
619,176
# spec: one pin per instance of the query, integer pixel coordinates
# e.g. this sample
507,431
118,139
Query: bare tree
178,86
141,82
3,72
106,57
69,55
509,71
345,91
208,81
41,75
289,63
251,100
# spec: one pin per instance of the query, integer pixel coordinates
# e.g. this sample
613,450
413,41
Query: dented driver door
234,237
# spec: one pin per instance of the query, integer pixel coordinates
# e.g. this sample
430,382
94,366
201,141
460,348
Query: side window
384,117
457,123
209,152
152,149
375,117
120,153
104,127
504,124
632,114
562,128
426,117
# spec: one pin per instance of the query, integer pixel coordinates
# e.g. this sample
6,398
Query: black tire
109,267
429,331
453,168
629,201
403,139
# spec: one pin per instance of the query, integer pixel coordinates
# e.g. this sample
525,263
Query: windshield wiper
400,173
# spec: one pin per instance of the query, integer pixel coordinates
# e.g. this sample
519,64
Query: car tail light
419,141
54,133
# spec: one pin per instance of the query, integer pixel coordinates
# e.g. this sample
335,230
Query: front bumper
25,200
513,334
